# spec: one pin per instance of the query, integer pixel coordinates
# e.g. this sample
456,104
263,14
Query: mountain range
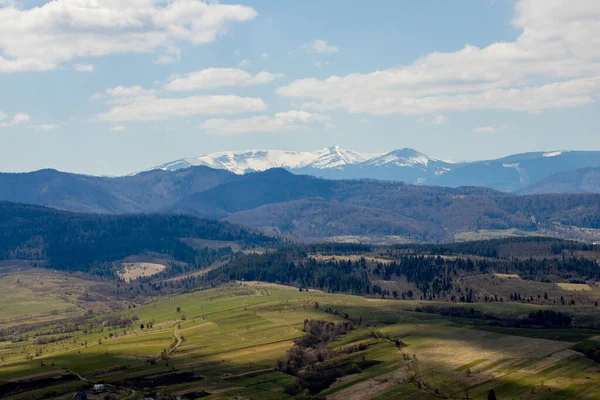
510,174
305,206
584,180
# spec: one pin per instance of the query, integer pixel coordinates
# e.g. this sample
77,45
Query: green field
232,336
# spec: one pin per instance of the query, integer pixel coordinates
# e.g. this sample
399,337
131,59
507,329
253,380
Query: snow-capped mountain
242,162
509,174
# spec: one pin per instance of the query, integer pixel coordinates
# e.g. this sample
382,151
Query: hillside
70,241
337,320
305,206
585,180
279,201
145,192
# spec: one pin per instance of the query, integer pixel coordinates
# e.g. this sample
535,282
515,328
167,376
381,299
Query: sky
111,87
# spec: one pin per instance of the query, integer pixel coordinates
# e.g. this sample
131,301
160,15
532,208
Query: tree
491,395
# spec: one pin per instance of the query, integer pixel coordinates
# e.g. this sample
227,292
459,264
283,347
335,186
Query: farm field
224,343
132,271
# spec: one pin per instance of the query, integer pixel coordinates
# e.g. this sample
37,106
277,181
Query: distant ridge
305,206
509,174
241,162
585,180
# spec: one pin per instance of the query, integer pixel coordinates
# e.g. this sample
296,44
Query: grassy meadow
224,343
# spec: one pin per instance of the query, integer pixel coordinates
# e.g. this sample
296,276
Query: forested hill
308,207
71,241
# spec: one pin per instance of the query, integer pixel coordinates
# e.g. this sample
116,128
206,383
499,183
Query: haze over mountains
294,199
304,206
510,174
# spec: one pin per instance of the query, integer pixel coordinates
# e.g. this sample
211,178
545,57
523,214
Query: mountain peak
407,152
242,162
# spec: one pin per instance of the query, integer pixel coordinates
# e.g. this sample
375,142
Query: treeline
282,267
435,276
536,319
498,248
589,348
307,359
80,242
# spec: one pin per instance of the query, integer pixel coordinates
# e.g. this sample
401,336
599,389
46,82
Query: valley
450,252
419,322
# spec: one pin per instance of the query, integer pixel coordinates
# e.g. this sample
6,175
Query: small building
99,388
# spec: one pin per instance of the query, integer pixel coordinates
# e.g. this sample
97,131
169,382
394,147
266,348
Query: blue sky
115,86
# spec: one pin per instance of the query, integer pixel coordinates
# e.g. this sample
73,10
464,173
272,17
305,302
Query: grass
234,335
575,287
135,270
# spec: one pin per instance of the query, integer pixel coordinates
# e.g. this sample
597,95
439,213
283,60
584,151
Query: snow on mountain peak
553,154
241,162
336,156
403,158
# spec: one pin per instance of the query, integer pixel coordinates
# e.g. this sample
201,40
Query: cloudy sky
115,86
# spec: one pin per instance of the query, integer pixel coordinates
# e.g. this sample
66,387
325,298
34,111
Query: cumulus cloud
554,63
84,67
17,119
135,103
244,63
118,128
282,121
44,127
212,78
489,129
319,46
46,36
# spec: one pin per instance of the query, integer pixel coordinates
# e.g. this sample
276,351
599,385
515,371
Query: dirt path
178,338
198,273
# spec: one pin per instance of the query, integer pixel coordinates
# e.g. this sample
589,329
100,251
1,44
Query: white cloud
212,78
97,96
265,55
364,121
170,55
283,121
124,94
137,104
46,36
439,120
489,129
319,46
17,119
118,128
83,67
554,63
244,63
44,127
